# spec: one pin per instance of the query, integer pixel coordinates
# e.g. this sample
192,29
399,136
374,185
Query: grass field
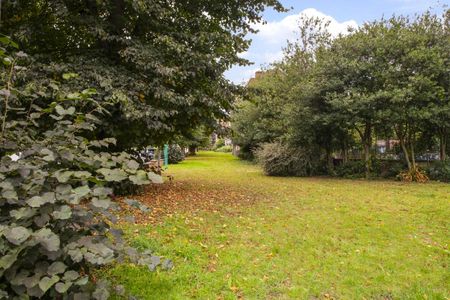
293,238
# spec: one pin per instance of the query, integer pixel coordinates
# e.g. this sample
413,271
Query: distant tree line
388,79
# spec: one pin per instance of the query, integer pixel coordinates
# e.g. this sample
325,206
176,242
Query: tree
276,106
387,78
195,138
310,125
261,117
437,32
160,62
414,81
349,77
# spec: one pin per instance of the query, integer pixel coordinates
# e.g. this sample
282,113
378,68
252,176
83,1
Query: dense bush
278,159
176,154
379,168
225,149
56,209
246,153
439,171
388,168
350,169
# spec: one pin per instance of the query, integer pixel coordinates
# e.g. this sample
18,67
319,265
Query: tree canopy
160,62
387,79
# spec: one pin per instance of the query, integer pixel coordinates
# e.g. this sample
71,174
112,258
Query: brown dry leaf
184,197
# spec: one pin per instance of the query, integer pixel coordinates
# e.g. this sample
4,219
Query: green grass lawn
298,238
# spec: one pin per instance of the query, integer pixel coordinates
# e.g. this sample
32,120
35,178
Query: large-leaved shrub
55,196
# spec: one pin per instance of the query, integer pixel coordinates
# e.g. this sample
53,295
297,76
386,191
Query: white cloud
264,57
280,31
270,57
268,43
241,75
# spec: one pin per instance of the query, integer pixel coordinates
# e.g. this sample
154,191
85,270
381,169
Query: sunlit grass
304,238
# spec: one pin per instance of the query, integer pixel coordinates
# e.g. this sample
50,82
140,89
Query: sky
267,45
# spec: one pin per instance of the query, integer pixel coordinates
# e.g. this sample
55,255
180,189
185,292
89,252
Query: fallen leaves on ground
185,197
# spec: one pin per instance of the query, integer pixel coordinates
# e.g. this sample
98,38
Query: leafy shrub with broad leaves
55,205
439,170
278,159
176,154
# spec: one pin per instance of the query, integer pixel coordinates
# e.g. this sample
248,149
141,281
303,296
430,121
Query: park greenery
388,79
56,207
264,237
159,62
84,84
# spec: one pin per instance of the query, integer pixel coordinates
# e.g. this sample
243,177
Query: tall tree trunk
192,150
443,145
367,159
366,139
412,141
344,150
413,157
345,153
401,132
405,152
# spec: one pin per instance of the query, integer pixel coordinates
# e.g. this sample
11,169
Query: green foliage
351,169
379,168
361,230
219,143
224,149
387,168
261,117
56,207
439,171
160,63
278,159
176,154
195,138
387,79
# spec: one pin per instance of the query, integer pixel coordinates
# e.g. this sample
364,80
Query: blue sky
268,43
